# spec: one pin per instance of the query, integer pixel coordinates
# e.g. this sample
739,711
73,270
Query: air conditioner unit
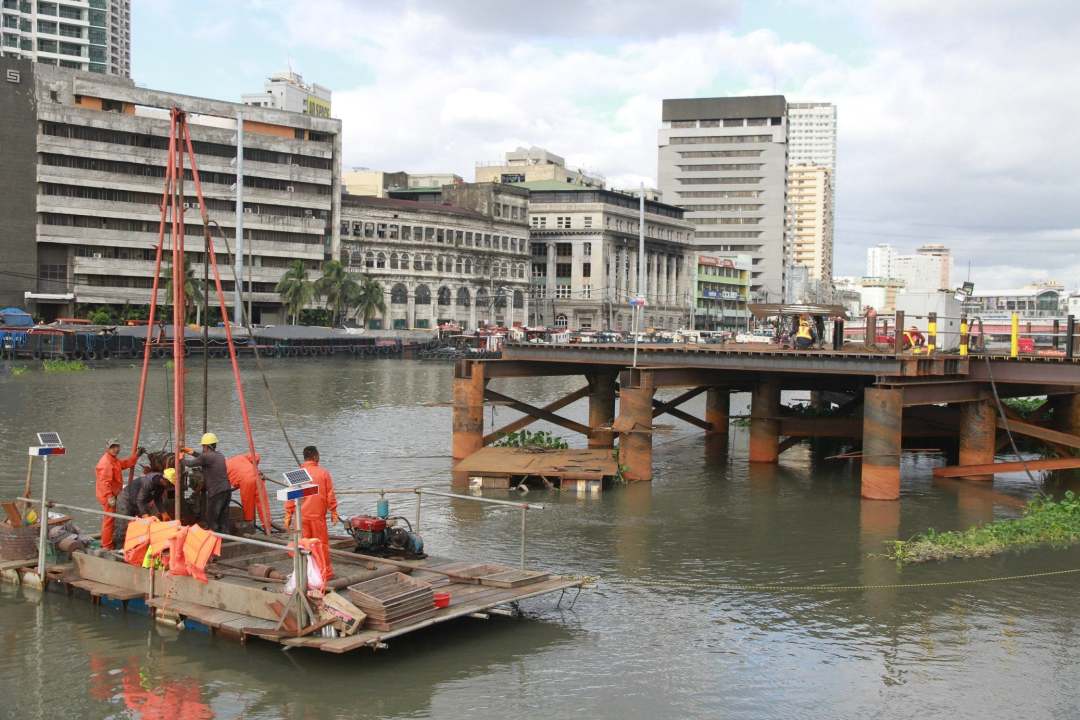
248,211
309,213
188,206
290,188
97,256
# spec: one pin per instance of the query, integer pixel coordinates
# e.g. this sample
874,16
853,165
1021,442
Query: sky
957,120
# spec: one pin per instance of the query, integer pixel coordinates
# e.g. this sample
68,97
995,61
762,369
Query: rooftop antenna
969,270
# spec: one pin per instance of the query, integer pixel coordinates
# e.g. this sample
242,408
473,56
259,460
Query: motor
385,537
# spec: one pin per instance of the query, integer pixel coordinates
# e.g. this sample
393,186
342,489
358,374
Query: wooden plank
1037,431
529,419
1015,466
16,564
539,413
219,594
97,589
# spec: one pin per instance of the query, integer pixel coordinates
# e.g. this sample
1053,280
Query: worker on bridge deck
243,472
313,508
144,495
804,336
215,480
108,482
913,338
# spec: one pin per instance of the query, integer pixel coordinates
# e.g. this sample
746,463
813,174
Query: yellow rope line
589,580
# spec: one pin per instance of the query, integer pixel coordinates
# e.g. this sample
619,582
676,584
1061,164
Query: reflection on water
657,638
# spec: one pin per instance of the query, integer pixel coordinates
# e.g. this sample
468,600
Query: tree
338,287
369,299
193,288
295,289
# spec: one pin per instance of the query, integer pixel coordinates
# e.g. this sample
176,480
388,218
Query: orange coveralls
313,511
244,476
108,482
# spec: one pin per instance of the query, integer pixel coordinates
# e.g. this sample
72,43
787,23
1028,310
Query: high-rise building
812,134
941,262
810,221
90,35
811,188
929,268
85,155
724,161
534,164
880,261
288,91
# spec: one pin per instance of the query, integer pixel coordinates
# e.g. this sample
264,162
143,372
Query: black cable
1005,422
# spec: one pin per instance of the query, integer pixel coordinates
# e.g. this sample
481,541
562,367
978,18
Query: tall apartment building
812,134
463,260
584,247
810,221
929,268
288,91
85,156
881,261
90,35
534,164
724,162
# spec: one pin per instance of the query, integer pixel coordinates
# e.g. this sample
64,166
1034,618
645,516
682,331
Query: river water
657,638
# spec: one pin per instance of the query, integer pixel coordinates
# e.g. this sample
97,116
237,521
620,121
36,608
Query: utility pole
238,256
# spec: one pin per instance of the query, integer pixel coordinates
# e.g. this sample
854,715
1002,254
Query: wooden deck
240,606
497,466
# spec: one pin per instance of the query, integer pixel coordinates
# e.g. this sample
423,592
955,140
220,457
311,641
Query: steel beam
529,419
1019,427
539,413
1033,371
662,408
515,368
1003,467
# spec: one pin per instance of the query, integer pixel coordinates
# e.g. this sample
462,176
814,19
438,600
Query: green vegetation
341,292
17,370
295,289
62,366
338,287
1044,522
368,299
1025,405
193,290
540,440
101,316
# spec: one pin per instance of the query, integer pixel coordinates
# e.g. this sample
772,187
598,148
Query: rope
774,587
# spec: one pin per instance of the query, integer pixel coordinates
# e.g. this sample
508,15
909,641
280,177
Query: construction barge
369,601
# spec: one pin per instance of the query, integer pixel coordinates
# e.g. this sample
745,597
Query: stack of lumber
392,601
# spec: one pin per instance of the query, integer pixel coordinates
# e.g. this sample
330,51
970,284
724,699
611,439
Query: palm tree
295,289
338,287
192,288
368,299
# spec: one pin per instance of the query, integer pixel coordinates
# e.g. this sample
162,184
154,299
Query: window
539,270
586,270
587,221
66,11
720,139
459,237
47,45
444,295
423,295
733,122
563,221
563,270
463,297
46,8
586,249
369,230
440,236
399,295
519,299
564,249
560,320
406,232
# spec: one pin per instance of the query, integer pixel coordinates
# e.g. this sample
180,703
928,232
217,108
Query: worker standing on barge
108,482
243,471
215,480
314,507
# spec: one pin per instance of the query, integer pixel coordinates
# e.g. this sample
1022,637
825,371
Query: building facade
812,134
584,264
881,261
98,149
444,262
534,164
1028,302
810,221
723,292
287,91
724,162
89,35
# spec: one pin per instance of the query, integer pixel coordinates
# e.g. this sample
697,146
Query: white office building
89,35
288,91
812,134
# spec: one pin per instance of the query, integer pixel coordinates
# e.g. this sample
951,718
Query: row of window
726,221
192,230
437,235
691,154
728,122
722,167
719,139
719,193
381,260
399,295
720,180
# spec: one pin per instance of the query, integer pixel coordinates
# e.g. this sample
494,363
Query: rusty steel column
883,410
978,435
717,410
635,424
601,409
1066,413
468,425
765,422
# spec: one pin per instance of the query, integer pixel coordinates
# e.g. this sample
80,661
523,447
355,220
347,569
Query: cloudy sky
958,120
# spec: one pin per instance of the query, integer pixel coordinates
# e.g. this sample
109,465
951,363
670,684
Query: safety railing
973,333
421,491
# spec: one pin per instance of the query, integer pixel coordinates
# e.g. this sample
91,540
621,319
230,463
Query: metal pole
1070,330
43,522
298,570
238,259
641,242
524,514
418,499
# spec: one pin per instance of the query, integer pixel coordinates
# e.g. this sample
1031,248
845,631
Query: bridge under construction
884,399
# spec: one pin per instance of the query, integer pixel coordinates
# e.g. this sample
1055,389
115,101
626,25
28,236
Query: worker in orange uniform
109,482
243,471
313,509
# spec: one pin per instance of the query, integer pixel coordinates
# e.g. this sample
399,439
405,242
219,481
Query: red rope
153,300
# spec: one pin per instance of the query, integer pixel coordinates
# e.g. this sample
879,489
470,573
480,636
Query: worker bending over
804,336
313,508
108,482
144,495
215,481
243,472
913,338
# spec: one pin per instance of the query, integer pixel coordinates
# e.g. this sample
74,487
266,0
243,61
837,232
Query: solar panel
297,477
49,439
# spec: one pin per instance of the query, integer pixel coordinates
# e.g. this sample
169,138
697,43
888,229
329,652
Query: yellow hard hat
170,475
208,439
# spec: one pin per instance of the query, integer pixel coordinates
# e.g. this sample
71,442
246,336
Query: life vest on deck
199,546
137,540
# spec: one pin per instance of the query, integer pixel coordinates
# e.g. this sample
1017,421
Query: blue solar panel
297,477
49,439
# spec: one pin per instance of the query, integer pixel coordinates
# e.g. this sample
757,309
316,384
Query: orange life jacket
136,540
199,546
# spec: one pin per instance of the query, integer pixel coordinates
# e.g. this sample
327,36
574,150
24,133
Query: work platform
498,467
884,398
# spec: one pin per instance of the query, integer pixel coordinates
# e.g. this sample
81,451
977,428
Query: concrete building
373,183
432,180
90,35
810,221
1030,302
584,247
880,294
534,164
723,292
288,91
929,268
85,169
724,161
812,134
881,261
456,261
